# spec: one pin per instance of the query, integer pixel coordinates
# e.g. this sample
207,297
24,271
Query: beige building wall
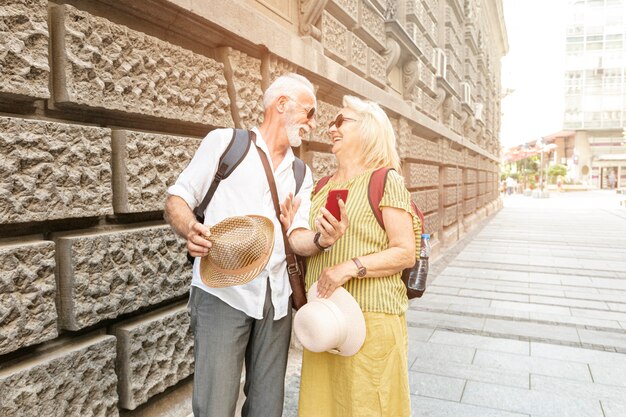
102,103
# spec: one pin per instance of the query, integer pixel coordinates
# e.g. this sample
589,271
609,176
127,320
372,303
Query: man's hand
197,236
288,209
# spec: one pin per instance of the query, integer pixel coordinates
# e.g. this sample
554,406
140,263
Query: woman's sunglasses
339,121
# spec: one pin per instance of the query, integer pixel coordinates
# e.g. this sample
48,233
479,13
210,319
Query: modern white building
595,90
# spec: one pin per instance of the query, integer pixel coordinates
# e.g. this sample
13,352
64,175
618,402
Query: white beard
293,132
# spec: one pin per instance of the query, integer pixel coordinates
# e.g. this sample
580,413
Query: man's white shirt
245,191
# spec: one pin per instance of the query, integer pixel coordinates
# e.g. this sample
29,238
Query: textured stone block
482,176
450,215
101,64
103,274
273,67
24,67
420,175
431,223
452,157
243,72
482,188
376,68
75,379
415,147
451,176
347,10
469,206
470,176
53,171
334,38
322,164
426,200
154,352
28,314
358,54
452,195
144,165
470,191
371,27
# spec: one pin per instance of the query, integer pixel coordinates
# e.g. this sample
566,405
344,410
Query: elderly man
253,320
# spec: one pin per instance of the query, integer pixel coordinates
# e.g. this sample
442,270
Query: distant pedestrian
510,185
612,179
559,183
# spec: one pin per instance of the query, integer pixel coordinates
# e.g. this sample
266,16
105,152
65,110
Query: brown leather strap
291,257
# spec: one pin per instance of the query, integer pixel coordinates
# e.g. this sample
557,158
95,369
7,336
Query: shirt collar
287,160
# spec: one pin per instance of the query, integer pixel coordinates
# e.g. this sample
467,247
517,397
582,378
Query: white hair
287,85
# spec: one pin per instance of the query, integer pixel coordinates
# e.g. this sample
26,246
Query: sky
533,70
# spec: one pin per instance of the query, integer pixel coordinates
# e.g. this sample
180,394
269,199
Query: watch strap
362,270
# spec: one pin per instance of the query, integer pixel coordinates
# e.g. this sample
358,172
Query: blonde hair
378,140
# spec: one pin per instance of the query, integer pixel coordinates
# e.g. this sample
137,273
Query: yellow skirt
374,382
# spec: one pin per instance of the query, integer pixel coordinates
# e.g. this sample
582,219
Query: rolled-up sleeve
193,183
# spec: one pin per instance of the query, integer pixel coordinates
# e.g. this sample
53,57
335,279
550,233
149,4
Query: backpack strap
375,192
320,184
299,171
230,159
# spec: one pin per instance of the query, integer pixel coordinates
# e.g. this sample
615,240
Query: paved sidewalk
528,320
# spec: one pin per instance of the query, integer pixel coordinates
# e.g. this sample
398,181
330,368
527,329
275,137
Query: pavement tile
576,354
530,402
518,347
530,307
472,372
597,314
543,331
576,290
603,295
577,321
452,299
569,302
578,389
420,334
423,352
431,319
432,407
494,295
609,374
437,289
616,284
617,307
534,365
487,311
436,386
614,409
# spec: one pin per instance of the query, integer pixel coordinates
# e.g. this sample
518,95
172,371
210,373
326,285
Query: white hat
335,324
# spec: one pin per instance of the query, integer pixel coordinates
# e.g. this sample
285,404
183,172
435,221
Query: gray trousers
223,336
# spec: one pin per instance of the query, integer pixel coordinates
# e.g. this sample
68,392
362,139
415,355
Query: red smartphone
332,201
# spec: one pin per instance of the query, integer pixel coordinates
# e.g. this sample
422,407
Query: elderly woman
367,261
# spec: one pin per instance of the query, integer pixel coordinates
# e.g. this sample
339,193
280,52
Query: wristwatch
362,271
316,240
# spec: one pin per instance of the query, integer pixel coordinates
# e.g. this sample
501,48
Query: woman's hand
334,277
288,209
329,227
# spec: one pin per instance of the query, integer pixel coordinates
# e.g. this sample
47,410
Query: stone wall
103,103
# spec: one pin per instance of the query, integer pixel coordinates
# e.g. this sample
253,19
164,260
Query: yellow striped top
364,236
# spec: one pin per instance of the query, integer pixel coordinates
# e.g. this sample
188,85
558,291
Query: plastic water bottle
418,281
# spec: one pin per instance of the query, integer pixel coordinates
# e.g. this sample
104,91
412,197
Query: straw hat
333,324
242,246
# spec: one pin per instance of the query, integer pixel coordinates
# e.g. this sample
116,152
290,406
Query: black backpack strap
299,171
230,159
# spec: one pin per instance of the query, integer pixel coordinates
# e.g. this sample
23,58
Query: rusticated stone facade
103,65
77,380
24,64
103,104
53,171
104,274
153,353
27,291
144,165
